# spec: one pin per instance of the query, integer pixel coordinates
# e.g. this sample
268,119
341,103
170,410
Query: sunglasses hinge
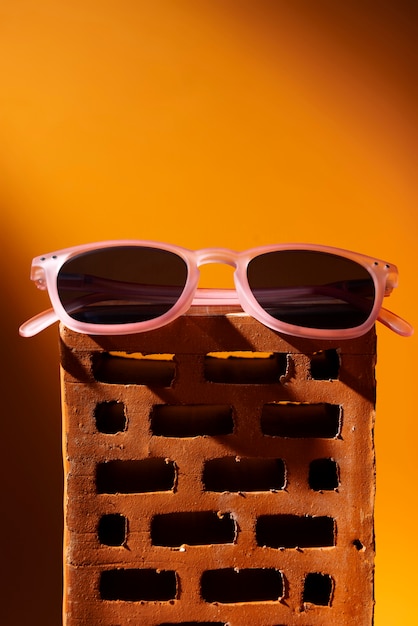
391,283
38,276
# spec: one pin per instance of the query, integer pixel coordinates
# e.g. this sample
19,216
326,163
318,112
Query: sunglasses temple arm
395,323
38,323
43,320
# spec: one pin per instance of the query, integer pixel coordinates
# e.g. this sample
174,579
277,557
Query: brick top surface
200,333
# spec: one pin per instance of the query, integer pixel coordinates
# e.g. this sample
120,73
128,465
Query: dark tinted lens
312,289
121,285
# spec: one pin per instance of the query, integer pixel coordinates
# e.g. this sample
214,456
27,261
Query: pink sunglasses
125,287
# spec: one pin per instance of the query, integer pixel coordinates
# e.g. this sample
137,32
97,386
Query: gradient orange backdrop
203,123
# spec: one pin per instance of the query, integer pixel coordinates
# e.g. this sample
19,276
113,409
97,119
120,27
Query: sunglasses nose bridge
223,256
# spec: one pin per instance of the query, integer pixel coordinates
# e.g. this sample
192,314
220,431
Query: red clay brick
132,465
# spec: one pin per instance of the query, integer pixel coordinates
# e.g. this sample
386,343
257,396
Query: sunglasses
125,287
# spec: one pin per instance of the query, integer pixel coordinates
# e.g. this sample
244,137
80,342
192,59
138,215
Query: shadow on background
31,518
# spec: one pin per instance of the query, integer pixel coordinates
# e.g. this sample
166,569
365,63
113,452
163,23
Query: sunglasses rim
47,267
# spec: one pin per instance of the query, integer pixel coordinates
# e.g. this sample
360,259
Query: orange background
203,123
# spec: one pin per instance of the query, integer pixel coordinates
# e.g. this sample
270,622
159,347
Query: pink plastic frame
45,270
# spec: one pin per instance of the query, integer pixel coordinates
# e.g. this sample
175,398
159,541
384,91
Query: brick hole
244,367
325,365
318,589
110,417
135,476
358,545
192,528
112,529
191,420
138,585
229,586
303,420
236,474
294,531
122,368
323,475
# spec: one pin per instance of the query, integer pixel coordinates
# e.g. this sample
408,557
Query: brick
207,490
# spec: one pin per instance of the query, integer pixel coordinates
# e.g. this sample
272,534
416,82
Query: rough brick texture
208,490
